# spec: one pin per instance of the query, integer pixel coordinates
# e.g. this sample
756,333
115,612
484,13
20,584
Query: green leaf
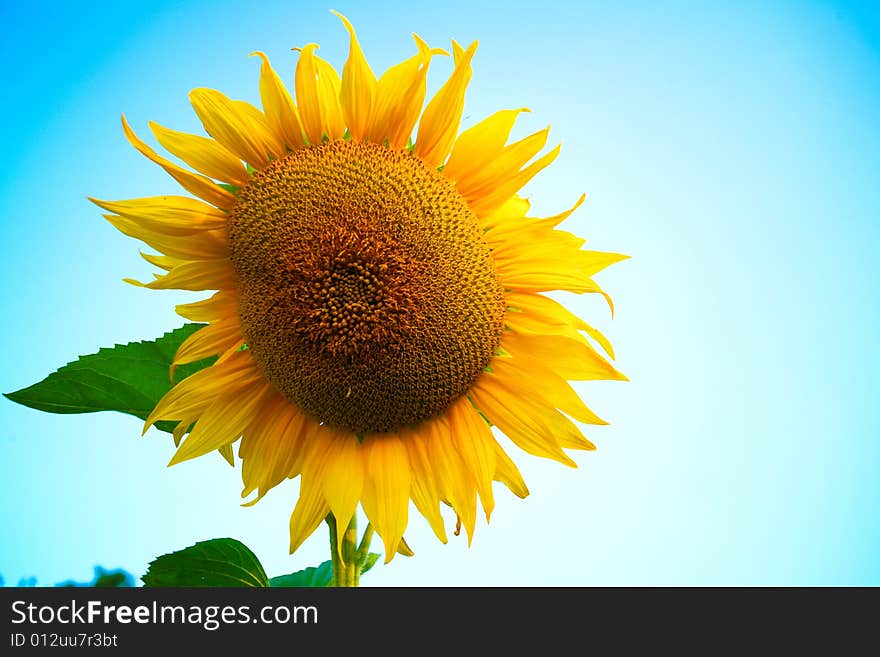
313,577
369,562
217,562
129,378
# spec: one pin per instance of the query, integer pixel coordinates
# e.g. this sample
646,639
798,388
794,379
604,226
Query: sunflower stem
346,562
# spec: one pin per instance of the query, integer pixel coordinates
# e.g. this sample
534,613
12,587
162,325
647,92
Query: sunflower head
366,292
379,311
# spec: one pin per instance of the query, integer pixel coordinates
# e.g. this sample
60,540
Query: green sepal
370,561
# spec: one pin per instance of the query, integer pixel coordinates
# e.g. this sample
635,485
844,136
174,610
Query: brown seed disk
366,292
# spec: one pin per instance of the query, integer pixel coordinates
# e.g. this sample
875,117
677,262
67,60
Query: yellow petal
519,418
506,228
540,271
258,441
488,202
552,262
182,427
539,380
404,549
423,490
343,481
568,435
281,113
196,392
358,86
163,262
196,276
203,187
307,95
506,165
473,439
210,340
592,262
311,508
507,243
538,315
439,123
387,488
329,89
221,305
512,211
237,125
226,453
570,359
209,245
546,281
168,215
200,389
273,447
478,146
400,93
457,52
318,442
317,96
556,219
455,482
508,474
202,154
222,422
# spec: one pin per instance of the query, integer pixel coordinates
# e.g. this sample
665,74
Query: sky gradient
734,152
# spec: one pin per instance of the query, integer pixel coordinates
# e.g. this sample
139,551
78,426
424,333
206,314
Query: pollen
367,294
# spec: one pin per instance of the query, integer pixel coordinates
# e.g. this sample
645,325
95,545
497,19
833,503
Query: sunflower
379,301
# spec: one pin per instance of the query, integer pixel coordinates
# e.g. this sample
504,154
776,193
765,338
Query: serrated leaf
128,378
217,562
369,562
313,577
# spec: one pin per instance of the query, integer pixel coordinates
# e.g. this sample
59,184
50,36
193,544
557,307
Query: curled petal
440,120
358,86
281,113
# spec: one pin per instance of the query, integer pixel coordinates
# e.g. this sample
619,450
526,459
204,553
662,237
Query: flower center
366,292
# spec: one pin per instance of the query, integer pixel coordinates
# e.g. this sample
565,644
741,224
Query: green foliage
314,577
128,378
318,576
228,562
104,579
217,562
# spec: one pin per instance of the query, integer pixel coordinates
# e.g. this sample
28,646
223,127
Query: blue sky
733,151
